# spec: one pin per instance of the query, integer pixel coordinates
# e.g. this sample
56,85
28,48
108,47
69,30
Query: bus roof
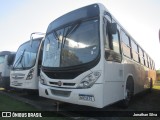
6,52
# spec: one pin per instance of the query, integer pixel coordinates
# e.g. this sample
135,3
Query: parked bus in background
90,59
6,61
26,66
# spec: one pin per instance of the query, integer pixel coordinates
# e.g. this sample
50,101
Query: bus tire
6,84
129,91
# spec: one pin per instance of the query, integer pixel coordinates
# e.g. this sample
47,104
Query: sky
19,18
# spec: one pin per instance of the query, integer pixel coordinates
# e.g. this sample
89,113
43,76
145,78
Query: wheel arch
129,77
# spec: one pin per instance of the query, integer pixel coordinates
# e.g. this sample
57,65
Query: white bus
6,61
26,67
89,59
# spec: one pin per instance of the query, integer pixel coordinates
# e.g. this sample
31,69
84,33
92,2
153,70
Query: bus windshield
2,57
72,45
26,55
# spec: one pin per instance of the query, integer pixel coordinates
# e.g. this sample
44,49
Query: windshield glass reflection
26,55
72,45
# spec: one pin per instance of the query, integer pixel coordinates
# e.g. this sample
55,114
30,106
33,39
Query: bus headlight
42,80
89,80
30,74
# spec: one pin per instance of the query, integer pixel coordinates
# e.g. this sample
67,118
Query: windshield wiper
19,60
66,32
56,36
69,31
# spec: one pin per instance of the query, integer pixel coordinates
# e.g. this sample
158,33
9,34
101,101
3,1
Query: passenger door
113,56
113,76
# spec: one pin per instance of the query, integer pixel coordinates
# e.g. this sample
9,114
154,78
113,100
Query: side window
145,59
113,52
115,42
125,39
141,56
149,63
134,51
126,45
152,64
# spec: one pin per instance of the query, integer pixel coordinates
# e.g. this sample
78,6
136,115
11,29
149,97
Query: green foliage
9,104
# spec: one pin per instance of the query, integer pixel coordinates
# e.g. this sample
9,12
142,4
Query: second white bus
26,67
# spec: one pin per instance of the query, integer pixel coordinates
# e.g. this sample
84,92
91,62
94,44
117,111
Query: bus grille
62,75
17,84
17,76
64,84
61,93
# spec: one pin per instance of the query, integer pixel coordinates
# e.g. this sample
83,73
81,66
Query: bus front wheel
128,93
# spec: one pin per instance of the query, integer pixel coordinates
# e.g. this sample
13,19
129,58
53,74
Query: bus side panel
138,73
113,82
145,77
152,75
133,70
113,92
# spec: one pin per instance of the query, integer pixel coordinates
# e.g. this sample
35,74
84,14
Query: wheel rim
128,94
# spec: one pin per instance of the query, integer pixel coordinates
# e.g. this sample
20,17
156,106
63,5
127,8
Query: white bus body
86,61
26,66
6,61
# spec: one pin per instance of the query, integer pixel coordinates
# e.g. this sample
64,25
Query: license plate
16,83
86,97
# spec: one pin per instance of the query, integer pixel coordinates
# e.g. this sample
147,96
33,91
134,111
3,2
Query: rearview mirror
10,59
112,28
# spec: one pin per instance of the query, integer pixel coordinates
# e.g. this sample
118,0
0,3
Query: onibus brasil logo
23,114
